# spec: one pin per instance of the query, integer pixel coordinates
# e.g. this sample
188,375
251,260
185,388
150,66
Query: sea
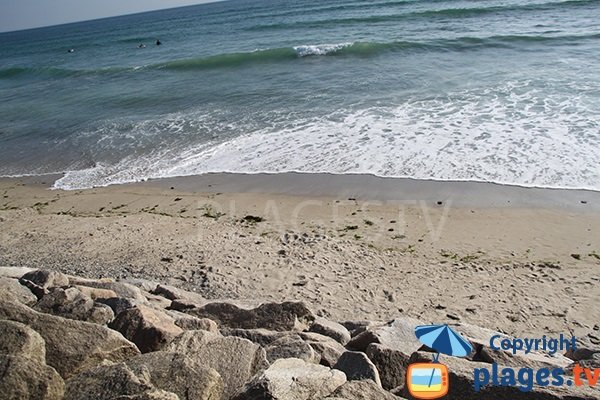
504,91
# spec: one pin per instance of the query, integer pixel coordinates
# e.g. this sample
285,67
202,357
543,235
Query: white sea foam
509,134
320,49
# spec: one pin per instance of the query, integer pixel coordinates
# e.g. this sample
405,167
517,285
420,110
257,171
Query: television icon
427,380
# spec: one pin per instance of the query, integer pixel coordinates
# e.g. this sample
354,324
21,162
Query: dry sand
522,261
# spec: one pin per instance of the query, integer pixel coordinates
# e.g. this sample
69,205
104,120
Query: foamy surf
511,137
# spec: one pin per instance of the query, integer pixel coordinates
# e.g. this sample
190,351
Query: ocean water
503,91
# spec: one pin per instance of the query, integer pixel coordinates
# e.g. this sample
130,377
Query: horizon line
111,16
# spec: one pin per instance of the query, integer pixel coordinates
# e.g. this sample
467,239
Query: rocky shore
71,338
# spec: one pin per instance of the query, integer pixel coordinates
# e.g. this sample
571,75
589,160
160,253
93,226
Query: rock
143,284
331,329
22,378
122,289
179,295
168,292
149,329
150,395
101,314
157,302
14,272
47,279
328,349
361,341
582,353
397,335
71,346
106,382
263,337
118,304
235,359
192,341
586,349
177,373
361,390
358,327
391,365
189,323
291,346
73,304
19,340
593,363
288,316
292,379
37,290
12,290
96,293
183,305
461,382
357,366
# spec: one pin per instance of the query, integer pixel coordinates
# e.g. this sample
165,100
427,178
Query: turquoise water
504,91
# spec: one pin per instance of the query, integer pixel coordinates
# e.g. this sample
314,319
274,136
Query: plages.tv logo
430,380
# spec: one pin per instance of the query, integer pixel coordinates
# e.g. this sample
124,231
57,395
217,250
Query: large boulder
73,304
235,359
14,272
398,334
357,366
361,390
96,293
22,378
174,372
327,348
19,340
291,346
149,329
331,329
174,293
391,365
47,279
118,304
166,291
106,382
156,301
122,289
12,290
288,316
357,327
292,379
190,323
263,337
71,346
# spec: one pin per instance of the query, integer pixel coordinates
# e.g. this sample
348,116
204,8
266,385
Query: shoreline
364,187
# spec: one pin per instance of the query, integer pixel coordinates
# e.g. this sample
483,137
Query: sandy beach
518,260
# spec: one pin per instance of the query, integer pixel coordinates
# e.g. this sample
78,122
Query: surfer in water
71,50
141,46
158,43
